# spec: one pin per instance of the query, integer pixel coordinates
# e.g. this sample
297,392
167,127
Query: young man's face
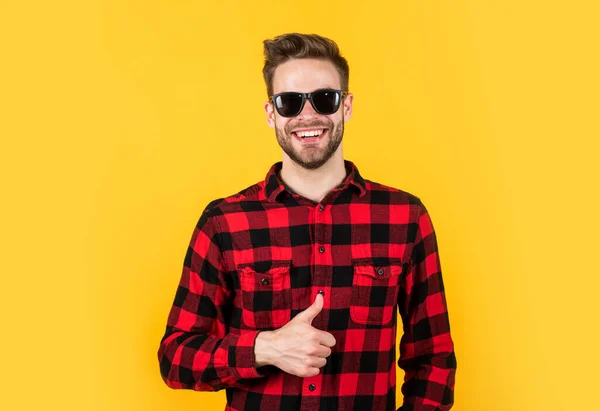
305,76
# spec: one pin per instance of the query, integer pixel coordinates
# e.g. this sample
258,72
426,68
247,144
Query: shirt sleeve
197,351
426,348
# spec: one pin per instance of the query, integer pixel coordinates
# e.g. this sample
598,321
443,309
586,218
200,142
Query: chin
312,164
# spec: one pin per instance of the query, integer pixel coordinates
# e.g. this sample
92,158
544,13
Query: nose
308,111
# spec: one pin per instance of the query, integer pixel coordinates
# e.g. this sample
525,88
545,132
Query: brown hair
296,46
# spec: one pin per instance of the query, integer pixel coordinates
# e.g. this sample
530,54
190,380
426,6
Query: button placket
321,259
318,226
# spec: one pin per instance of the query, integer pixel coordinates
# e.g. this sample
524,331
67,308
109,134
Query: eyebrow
326,88
317,89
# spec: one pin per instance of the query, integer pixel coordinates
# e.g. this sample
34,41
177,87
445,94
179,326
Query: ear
270,114
348,106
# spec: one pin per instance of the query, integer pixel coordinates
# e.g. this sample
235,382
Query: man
289,288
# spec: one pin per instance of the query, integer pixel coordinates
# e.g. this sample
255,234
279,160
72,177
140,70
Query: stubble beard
311,158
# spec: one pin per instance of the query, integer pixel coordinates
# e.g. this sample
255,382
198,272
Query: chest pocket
375,291
266,295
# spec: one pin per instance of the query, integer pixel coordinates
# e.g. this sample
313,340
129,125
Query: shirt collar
275,186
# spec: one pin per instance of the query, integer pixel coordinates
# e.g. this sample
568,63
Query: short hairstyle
297,46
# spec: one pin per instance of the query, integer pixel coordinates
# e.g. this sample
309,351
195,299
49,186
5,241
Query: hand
296,348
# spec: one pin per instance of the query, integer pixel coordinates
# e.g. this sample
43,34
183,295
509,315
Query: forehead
305,75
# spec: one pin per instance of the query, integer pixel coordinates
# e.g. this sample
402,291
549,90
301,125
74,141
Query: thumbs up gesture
296,348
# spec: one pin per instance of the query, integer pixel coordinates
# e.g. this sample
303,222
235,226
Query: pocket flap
377,270
264,273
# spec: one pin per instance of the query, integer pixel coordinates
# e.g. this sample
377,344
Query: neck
314,184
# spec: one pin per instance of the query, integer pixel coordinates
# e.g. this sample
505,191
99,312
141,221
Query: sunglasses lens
288,104
326,102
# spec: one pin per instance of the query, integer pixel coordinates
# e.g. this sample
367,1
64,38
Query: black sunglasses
291,103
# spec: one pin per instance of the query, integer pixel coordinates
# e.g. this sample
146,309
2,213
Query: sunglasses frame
309,96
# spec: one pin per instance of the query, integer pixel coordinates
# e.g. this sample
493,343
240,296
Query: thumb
311,312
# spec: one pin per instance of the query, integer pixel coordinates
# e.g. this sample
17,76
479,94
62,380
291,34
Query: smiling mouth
309,135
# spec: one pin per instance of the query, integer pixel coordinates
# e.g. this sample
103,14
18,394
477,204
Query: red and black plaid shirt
259,257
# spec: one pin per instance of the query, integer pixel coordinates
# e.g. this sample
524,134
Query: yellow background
121,120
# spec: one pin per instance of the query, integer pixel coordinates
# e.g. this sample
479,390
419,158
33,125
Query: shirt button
321,249
312,387
380,271
321,207
322,292
265,281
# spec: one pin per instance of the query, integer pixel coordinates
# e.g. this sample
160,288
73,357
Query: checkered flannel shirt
259,257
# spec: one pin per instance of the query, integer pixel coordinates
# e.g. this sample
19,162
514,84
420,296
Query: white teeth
309,133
